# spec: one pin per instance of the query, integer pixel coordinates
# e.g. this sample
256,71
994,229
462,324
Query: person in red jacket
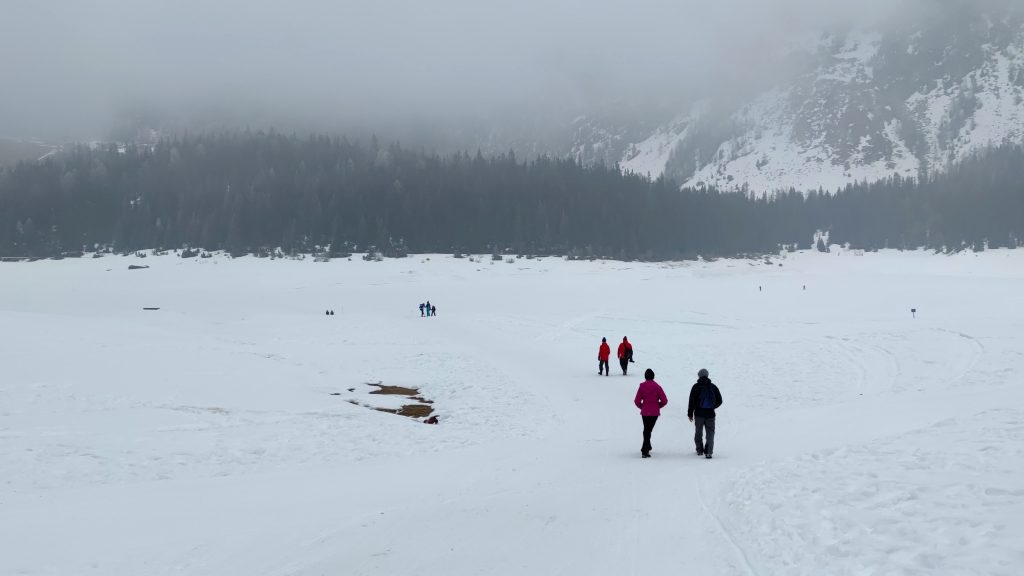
603,353
625,354
650,399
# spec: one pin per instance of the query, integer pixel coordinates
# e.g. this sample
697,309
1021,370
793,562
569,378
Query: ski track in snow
726,533
204,439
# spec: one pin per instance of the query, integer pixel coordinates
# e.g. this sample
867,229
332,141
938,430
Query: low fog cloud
74,69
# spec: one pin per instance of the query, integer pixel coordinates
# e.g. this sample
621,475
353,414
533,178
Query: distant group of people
427,309
705,398
625,354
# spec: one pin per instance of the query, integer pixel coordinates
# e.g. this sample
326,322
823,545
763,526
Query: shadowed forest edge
256,192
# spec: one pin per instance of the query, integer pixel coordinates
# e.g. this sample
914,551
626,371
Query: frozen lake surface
231,432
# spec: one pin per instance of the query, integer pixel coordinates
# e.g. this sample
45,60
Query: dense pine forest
259,192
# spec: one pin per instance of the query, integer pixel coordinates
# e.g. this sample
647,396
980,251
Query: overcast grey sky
70,68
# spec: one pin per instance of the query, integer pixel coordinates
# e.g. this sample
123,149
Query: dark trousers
624,362
649,422
602,367
701,424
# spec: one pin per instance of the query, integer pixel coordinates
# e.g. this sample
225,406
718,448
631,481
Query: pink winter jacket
650,398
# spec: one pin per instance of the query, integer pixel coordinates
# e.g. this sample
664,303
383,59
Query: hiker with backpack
650,399
603,353
705,397
625,353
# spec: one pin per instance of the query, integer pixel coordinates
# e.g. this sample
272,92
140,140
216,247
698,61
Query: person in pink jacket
650,399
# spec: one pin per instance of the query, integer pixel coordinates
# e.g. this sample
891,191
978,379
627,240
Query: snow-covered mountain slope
986,108
825,131
649,156
867,105
633,135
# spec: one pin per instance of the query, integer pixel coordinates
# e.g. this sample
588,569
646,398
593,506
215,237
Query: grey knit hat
703,373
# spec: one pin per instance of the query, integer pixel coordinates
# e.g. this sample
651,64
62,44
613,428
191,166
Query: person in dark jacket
705,397
603,353
625,354
650,399
422,306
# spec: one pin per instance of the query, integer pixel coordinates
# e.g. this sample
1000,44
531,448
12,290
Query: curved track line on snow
725,532
979,350
842,345
863,353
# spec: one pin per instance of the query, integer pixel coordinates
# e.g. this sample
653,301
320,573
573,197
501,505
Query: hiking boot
645,455
700,452
708,456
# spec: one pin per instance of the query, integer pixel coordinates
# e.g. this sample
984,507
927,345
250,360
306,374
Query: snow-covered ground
205,437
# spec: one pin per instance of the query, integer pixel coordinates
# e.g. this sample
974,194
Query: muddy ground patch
412,403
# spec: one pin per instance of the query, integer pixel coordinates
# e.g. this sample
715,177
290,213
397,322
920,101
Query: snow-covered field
215,435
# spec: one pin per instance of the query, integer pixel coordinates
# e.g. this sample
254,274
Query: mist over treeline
437,74
256,192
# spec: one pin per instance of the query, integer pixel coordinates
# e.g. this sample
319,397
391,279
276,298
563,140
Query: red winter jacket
623,347
604,352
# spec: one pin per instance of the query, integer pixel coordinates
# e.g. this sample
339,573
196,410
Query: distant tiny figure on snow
603,354
650,399
428,307
433,310
705,397
422,308
625,354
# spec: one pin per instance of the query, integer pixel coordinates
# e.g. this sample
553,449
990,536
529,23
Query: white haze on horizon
74,69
